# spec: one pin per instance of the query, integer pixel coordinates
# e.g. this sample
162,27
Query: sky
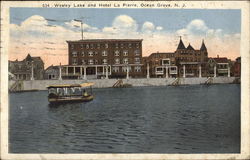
44,31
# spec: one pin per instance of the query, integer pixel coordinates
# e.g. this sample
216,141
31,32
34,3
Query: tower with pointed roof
181,45
203,46
189,47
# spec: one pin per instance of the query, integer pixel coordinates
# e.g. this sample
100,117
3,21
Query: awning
71,85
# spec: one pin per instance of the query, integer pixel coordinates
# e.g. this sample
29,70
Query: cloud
148,27
195,27
49,40
36,26
77,26
159,28
125,23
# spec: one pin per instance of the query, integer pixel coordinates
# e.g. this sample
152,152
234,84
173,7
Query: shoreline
32,85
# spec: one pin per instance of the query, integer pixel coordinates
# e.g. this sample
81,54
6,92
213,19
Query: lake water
168,119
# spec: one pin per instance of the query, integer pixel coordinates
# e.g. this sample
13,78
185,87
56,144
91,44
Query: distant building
161,65
237,67
191,62
219,66
97,58
27,69
52,72
184,62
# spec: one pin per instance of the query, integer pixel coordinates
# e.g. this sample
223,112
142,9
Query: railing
176,82
17,86
118,83
209,81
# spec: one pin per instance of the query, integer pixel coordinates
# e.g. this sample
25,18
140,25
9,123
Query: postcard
125,80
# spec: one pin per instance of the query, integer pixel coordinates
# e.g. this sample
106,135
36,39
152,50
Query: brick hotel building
97,58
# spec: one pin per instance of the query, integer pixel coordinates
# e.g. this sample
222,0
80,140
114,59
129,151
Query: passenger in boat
85,94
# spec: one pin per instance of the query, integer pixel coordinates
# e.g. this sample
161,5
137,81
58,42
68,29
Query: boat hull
71,100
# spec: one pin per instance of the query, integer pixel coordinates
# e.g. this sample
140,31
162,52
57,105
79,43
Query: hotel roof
109,40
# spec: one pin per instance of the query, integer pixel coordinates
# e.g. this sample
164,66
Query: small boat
70,93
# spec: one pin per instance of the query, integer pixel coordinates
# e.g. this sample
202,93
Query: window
137,45
137,60
165,61
74,53
137,52
117,53
115,69
74,61
117,61
116,45
121,45
90,53
104,61
104,53
124,68
82,53
96,53
159,69
125,61
91,46
96,61
129,45
98,46
72,46
125,53
87,46
106,45
91,61
83,61
137,68
81,46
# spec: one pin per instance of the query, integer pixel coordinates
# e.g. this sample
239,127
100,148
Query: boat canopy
71,85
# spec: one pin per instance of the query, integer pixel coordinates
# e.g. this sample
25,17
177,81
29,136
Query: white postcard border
245,76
